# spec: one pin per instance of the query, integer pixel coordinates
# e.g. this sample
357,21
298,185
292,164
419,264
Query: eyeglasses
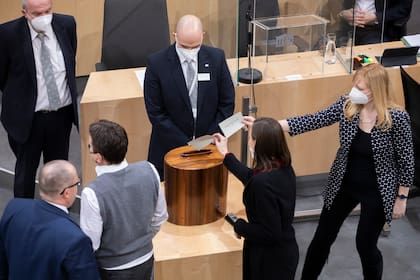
89,149
71,186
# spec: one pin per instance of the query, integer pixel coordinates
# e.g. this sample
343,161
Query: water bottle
329,54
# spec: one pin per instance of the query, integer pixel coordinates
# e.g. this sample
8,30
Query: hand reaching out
221,143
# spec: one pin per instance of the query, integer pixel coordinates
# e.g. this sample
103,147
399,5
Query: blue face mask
357,96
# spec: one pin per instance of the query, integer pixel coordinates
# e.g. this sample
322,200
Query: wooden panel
209,251
277,97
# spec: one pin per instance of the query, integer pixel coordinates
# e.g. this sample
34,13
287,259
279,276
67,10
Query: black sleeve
241,171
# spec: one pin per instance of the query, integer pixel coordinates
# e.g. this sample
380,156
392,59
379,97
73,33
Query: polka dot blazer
392,149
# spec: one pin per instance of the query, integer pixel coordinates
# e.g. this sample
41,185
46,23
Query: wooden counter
204,252
117,95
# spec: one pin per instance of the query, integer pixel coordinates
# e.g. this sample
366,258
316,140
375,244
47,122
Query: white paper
140,77
201,142
294,77
232,124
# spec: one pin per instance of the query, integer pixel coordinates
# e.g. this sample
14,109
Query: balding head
55,180
189,32
36,8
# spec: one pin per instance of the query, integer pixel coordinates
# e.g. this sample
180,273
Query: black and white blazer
392,149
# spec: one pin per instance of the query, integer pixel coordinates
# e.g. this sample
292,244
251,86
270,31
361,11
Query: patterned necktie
190,81
47,71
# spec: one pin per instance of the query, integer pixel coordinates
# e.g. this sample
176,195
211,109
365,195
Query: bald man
38,239
188,90
37,78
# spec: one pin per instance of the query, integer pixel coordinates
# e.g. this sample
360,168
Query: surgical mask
41,23
189,54
357,96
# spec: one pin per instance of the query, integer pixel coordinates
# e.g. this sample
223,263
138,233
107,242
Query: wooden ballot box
195,185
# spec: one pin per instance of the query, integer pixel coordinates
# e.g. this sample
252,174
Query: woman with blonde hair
374,166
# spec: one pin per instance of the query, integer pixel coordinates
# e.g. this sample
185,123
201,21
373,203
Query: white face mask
41,23
189,54
357,96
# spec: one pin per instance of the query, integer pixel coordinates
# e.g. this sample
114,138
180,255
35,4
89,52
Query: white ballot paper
140,77
232,124
201,142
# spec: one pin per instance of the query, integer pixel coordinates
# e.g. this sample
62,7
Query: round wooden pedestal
195,186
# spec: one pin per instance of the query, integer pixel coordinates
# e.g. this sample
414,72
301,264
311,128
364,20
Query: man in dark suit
371,17
37,78
38,239
188,90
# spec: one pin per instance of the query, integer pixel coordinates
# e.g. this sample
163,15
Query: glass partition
288,37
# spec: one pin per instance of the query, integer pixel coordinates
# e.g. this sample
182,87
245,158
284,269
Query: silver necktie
190,81
47,71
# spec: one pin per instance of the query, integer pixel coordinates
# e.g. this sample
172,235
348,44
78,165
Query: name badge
203,77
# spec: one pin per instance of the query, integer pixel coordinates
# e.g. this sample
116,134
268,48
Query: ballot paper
201,142
140,77
232,124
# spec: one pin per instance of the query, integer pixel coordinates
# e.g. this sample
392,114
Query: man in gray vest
123,208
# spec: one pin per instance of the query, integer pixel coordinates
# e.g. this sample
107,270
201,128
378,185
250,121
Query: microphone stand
249,75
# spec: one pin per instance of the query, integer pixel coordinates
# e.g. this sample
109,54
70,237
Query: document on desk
232,124
412,41
140,77
201,142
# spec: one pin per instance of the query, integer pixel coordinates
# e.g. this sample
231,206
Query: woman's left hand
400,206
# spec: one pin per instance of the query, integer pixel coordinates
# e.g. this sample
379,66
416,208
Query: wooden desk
117,95
203,252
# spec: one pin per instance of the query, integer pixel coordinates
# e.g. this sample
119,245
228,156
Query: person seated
370,18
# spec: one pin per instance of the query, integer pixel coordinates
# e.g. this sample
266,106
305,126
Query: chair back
412,104
133,29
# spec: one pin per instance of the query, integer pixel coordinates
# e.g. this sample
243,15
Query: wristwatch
402,196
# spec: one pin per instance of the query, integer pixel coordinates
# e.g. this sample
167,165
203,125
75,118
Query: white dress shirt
366,6
91,221
184,65
59,68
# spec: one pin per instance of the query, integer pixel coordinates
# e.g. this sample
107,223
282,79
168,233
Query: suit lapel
204,66
178,75
62,40
28,51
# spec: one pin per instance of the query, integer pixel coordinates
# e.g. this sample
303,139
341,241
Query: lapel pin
206,65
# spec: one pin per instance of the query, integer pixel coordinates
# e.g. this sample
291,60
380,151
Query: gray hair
54,176
24,3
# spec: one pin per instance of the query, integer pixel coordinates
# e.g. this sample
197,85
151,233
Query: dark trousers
50,135
371,221
143,271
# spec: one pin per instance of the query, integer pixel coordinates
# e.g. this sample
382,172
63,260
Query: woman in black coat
270,249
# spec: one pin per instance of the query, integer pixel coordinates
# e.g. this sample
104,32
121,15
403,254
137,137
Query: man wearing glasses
38,239
123,208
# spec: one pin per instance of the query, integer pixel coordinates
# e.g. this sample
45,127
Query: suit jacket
392,149
168,104
270,247
397,13
41,241
18,74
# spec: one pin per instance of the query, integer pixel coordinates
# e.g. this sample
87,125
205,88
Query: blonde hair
377,80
